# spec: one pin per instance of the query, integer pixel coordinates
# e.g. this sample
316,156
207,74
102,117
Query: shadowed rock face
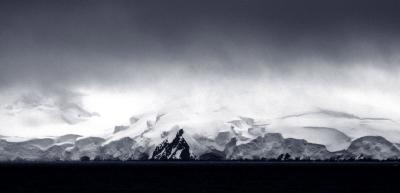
213,155
56,153
223,138
374,147
10,151
90,147
273,146
230,147
121,149
178,149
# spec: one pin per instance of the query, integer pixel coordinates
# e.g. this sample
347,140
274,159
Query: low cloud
65,106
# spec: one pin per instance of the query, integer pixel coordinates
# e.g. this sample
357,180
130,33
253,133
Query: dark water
199,177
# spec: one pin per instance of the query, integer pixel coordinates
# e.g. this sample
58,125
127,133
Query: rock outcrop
178,149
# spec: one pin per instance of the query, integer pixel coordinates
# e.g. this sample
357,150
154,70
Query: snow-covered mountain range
221,135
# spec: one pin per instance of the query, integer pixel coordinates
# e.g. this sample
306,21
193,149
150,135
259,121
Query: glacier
182,134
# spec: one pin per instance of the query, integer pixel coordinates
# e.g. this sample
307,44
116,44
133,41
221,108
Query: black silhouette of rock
178,149
85,158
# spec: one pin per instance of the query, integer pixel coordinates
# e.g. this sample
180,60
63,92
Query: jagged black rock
178,149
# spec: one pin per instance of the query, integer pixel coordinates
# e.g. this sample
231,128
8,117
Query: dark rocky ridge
178,149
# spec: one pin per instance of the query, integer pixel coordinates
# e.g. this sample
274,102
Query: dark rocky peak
178,149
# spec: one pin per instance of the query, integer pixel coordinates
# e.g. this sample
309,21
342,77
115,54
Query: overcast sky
273,56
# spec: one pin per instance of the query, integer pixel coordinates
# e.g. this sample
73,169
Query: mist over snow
85,67
34,112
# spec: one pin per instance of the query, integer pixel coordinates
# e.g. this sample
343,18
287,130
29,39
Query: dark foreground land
117,177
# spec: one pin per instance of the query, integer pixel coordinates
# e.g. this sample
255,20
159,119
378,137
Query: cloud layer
253,54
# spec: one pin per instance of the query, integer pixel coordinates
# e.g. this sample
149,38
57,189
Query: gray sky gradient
78,42
182,48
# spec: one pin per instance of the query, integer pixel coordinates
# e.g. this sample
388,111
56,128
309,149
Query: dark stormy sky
94,58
